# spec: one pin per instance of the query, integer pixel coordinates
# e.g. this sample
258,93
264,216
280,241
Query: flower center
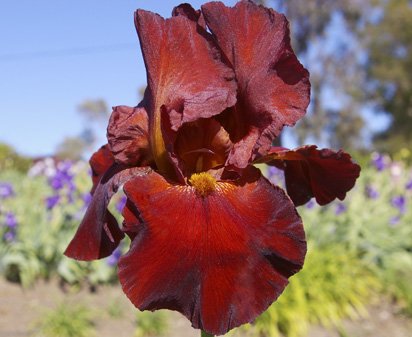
203,183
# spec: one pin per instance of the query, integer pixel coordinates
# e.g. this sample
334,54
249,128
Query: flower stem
205,334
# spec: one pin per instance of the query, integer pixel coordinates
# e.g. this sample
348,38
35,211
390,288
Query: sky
56,54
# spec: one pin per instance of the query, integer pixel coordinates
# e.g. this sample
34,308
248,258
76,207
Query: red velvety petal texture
99,234
274,87
309,172
221,259
100,162
192,14
127,134
186,76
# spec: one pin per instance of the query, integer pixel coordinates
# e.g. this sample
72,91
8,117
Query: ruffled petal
128,138
100,162
189,12
198,146
99,234
219,259
187,78
274,87
324,174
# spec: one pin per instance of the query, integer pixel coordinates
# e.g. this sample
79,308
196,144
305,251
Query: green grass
333,284
151,323
66,321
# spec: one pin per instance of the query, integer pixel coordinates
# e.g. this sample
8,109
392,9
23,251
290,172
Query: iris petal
100,162
99,234
127,134
187,78
219,259
309,172
274,87
192,14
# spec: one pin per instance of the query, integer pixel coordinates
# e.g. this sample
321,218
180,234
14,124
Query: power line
67,52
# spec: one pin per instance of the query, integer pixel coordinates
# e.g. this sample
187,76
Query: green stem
205,334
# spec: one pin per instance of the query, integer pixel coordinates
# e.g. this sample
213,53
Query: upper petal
187,79
192,14
309,172
274,87
99,234
219,259
127,134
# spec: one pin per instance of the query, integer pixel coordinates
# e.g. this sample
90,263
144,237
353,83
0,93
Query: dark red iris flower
211,237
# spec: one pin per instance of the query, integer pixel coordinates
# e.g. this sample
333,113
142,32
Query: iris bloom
210,236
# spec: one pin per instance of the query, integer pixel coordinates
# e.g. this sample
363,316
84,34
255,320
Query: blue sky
56,54
40,87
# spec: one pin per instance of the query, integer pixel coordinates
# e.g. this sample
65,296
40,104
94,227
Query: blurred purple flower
6,190
394,220
276,176
112,259
408,185
371,192
61,179
340,208
121,203
399,202
52,201
378,160
10,236
87,198
310,204
10,220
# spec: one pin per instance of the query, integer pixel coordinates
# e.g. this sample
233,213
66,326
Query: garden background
62,65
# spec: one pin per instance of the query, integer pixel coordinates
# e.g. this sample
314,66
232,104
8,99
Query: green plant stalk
205,334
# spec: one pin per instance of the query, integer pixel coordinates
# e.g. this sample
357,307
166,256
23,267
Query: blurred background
63,65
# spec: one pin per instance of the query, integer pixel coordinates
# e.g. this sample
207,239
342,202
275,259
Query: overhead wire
66,52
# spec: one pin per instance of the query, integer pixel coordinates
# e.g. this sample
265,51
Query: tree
325,36
389,41
95,113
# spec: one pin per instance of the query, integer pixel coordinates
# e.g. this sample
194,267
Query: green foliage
43,235
66,321
11,160
151,323
324,292
390,61
373,228
369,242
115,309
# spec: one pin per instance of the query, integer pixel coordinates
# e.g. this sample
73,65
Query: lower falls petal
220,259
99,234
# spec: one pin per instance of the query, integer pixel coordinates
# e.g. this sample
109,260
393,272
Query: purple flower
408,186
394,220
10,236
112,259
61,179
276,176
371,192
87,198
399,202
378,160
121,203
10,220
311,203
6,190
52,201
340,208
